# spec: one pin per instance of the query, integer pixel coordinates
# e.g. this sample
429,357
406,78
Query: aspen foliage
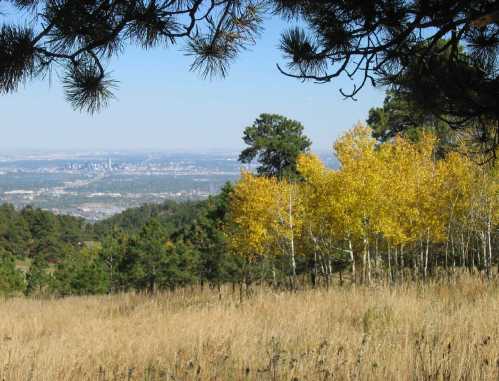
251,214
384,198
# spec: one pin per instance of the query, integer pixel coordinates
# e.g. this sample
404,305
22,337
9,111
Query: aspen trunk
415,267
323,269
447,252
352,259
368,264
390,275
489,241
463,252
315,270
364,261
316,259
421,256
485,256
402,263
395,264
425,270
293,267
292,241
472,260
453,254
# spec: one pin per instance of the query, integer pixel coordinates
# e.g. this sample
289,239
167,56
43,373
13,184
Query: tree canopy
370,39
377,38
401,116
441,54
275,142
81,37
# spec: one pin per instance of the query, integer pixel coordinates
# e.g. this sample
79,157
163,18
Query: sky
161,105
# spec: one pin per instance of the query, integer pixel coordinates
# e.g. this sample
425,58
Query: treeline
32,232
35,235
145,249
392,211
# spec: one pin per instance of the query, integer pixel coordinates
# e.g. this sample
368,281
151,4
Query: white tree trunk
292,238
352,259
426,254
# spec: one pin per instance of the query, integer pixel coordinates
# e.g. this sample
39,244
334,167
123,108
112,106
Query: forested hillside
171,214
146,248
30,232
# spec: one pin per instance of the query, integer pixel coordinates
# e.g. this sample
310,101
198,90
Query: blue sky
162,105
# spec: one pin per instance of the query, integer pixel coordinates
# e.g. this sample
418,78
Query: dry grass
413,333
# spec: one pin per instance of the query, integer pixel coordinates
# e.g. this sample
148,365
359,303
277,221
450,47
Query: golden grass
405,333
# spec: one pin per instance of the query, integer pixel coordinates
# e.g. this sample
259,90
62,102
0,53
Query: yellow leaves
250,214
360,182
484,203
353,145
169,245
264,213
397,190
311,167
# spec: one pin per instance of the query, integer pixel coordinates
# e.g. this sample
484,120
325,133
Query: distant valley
97,185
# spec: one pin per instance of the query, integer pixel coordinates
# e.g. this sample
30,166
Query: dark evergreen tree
50,248
399,115
218,263
11,279
15,236
151,260
73,230
113,251
37,277
42,224
170,214
209,258
80,273
275,142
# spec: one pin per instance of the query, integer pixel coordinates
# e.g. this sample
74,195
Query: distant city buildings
97,186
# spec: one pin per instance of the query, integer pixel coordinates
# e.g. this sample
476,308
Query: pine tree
11,279
37,278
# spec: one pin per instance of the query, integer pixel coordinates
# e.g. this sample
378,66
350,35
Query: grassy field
435,332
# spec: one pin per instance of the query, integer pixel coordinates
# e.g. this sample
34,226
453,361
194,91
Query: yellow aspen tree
396,193
484,210
457,172
397,214
427,183
287,221
265,218
320,224
361,186
250,216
